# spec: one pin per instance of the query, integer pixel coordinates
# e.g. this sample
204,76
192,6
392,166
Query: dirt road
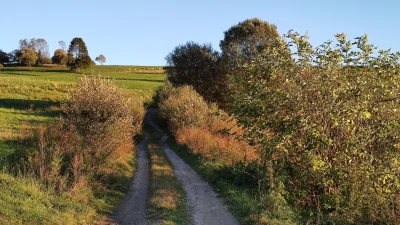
132,209
204,206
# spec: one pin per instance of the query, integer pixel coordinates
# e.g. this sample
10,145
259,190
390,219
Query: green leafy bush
327,120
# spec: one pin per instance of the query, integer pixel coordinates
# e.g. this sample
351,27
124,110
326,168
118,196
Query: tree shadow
145,80
33,107
23,104
22,74
56,71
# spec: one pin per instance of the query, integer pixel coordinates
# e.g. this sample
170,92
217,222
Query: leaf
367,114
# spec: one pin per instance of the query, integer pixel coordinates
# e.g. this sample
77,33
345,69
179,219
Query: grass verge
166,204
241,201
26,201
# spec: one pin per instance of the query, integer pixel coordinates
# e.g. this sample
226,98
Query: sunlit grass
167,197
30,96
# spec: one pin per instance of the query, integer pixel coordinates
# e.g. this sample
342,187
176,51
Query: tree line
36,52
325,119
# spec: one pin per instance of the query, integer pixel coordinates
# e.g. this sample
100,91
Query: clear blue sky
130,32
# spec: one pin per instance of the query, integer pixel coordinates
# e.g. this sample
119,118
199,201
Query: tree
197,65
244,41
14,56
4,57
78,55
28,57
23,44
39,45
101,59
62,45
42,49
60,57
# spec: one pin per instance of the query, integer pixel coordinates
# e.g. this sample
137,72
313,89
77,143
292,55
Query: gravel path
132,209
205,208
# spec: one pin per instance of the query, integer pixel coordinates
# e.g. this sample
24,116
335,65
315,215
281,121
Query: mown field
30,96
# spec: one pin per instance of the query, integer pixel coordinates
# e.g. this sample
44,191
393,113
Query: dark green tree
78,55
244,41
4,57
197,65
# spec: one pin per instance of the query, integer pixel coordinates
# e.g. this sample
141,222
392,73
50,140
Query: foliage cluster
60,57
208,71
101,59
327,121
205,129
78,56
36,52
199,66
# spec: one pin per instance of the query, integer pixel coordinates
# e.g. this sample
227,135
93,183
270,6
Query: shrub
163,93
206,130
93,139
327,122
102,117
184,108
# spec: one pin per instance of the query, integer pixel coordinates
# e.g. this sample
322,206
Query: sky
133,32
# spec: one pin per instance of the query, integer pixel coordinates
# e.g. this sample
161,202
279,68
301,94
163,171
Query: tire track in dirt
132,209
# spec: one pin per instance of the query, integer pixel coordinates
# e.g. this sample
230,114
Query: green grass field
33,96
30,96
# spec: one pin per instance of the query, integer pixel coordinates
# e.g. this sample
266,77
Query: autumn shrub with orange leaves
203,128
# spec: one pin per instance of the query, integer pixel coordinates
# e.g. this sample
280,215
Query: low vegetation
208,131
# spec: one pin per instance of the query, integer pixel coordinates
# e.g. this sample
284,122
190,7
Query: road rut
132,209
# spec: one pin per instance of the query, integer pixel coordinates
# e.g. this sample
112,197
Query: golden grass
164,193
223,148
166,200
